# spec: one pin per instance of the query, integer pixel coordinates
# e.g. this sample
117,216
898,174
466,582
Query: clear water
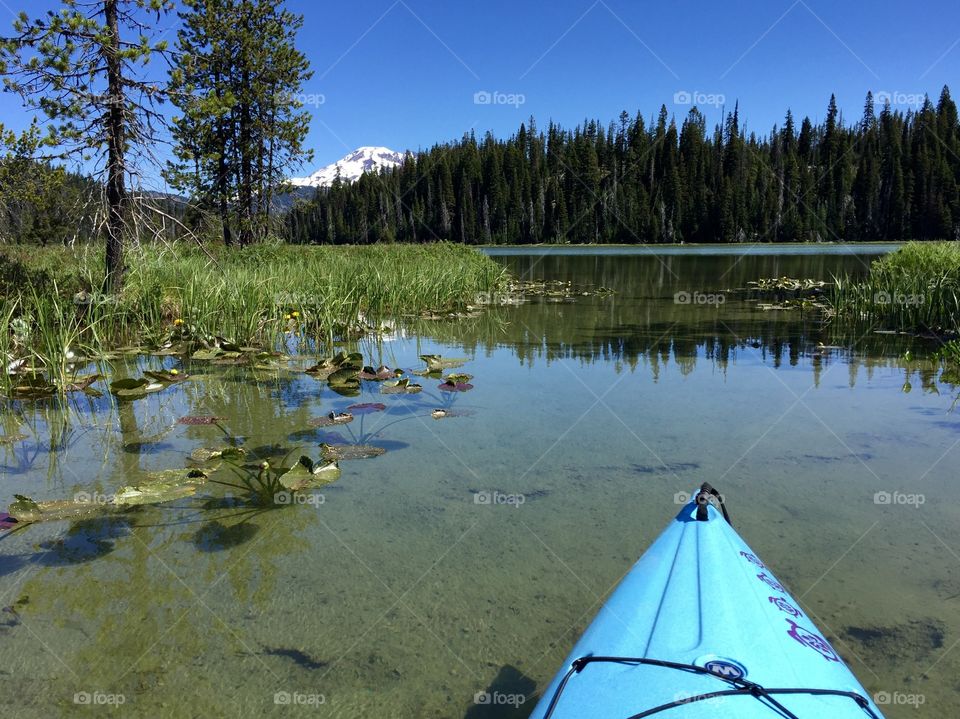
402,596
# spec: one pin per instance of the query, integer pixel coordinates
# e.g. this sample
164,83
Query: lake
471,555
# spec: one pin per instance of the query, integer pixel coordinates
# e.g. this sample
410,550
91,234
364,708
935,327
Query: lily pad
345,382
354,360
367,407
205,454
400,386
340,361
80,384
166,376
23,504
135,388
333,418
228,346
26,510
381,373
206,354
449,386
34,386
442,413
436,363
432,373
225,358
149,494
320,371
170,349
306,474
200,419
337,452
458,377
163,486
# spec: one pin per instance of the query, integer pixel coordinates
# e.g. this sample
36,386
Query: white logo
900,498
497,497
895,97
499,699
99,699
284,498
299,699
708,99
699,298
484,97
900,699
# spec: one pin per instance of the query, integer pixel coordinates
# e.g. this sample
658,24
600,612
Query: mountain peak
364,159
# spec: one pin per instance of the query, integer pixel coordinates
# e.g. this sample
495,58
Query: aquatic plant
452,385
337,452
331,419
367,407
271,486
915,289
400,386
437,363
154,488
256,296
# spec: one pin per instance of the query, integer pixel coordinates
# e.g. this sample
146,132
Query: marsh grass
915,289
261,295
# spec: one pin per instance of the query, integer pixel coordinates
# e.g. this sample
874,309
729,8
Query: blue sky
406,73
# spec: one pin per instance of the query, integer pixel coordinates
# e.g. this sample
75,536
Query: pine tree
242,126
76,67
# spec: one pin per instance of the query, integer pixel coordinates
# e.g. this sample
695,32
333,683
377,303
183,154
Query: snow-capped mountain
363,159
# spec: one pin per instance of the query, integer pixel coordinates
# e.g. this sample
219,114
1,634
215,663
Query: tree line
891,175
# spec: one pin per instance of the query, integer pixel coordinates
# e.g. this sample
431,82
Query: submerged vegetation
915,290
263,477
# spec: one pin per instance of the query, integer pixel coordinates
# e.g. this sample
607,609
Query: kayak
700,628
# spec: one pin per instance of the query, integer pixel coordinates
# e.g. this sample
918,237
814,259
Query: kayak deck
699,596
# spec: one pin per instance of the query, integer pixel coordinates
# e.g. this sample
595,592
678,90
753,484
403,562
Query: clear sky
406,73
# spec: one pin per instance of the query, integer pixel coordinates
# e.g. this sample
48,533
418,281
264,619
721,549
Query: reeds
915,289
255,296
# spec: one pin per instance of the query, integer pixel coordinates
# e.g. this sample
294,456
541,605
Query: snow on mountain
363,159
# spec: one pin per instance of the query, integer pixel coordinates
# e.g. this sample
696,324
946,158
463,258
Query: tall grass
915,289
252,296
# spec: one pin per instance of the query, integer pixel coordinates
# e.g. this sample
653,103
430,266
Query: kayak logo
499,699
812,640
784,606
771,582
723,668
